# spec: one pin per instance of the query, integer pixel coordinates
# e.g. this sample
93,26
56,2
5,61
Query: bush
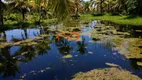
115,13
98,14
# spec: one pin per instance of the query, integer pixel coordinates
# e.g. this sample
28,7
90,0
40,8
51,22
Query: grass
119,19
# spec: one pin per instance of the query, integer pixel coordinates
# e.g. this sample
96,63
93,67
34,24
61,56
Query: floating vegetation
90,52
139,63
67,56
112,65
106,74
130,47
3,45
23,42
35,72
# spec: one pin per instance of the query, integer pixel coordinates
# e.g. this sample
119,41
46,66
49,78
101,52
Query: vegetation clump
67,56
112,65
106,74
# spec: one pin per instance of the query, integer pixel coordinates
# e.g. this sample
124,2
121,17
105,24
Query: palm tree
21,6
1,13
77,7
61,8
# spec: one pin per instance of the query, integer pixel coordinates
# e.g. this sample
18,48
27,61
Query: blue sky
86,0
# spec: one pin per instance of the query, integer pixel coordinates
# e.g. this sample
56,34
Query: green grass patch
119,19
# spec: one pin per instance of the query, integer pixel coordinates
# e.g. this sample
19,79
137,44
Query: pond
52,59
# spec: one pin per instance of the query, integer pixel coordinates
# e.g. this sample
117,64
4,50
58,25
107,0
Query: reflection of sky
86,0
4,1
20,34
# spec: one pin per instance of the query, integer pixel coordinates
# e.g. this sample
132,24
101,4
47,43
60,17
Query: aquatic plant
106,74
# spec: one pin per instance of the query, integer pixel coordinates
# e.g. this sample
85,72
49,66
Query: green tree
1,13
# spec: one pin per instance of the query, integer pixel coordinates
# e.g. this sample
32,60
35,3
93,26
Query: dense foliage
62,9
118,6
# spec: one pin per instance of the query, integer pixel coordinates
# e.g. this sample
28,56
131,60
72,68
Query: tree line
118,6
64,8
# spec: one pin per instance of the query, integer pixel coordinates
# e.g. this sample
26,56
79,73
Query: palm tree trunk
108,8
26,34
101,6
23,16
1,14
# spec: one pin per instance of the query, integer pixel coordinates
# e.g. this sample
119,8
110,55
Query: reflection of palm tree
4,35
134,64
9,67
26,35
8,64
42,47
82,46
27,52
64,47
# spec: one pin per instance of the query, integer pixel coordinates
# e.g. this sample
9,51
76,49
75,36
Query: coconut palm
61,8
1,12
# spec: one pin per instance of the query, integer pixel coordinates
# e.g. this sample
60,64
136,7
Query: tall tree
61,8
1,13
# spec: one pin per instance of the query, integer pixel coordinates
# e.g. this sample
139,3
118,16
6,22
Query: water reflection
135,31
8,64
82,46
43,52
9,59
19,34
134,64
64,46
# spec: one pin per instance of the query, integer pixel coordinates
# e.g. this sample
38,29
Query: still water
45,61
